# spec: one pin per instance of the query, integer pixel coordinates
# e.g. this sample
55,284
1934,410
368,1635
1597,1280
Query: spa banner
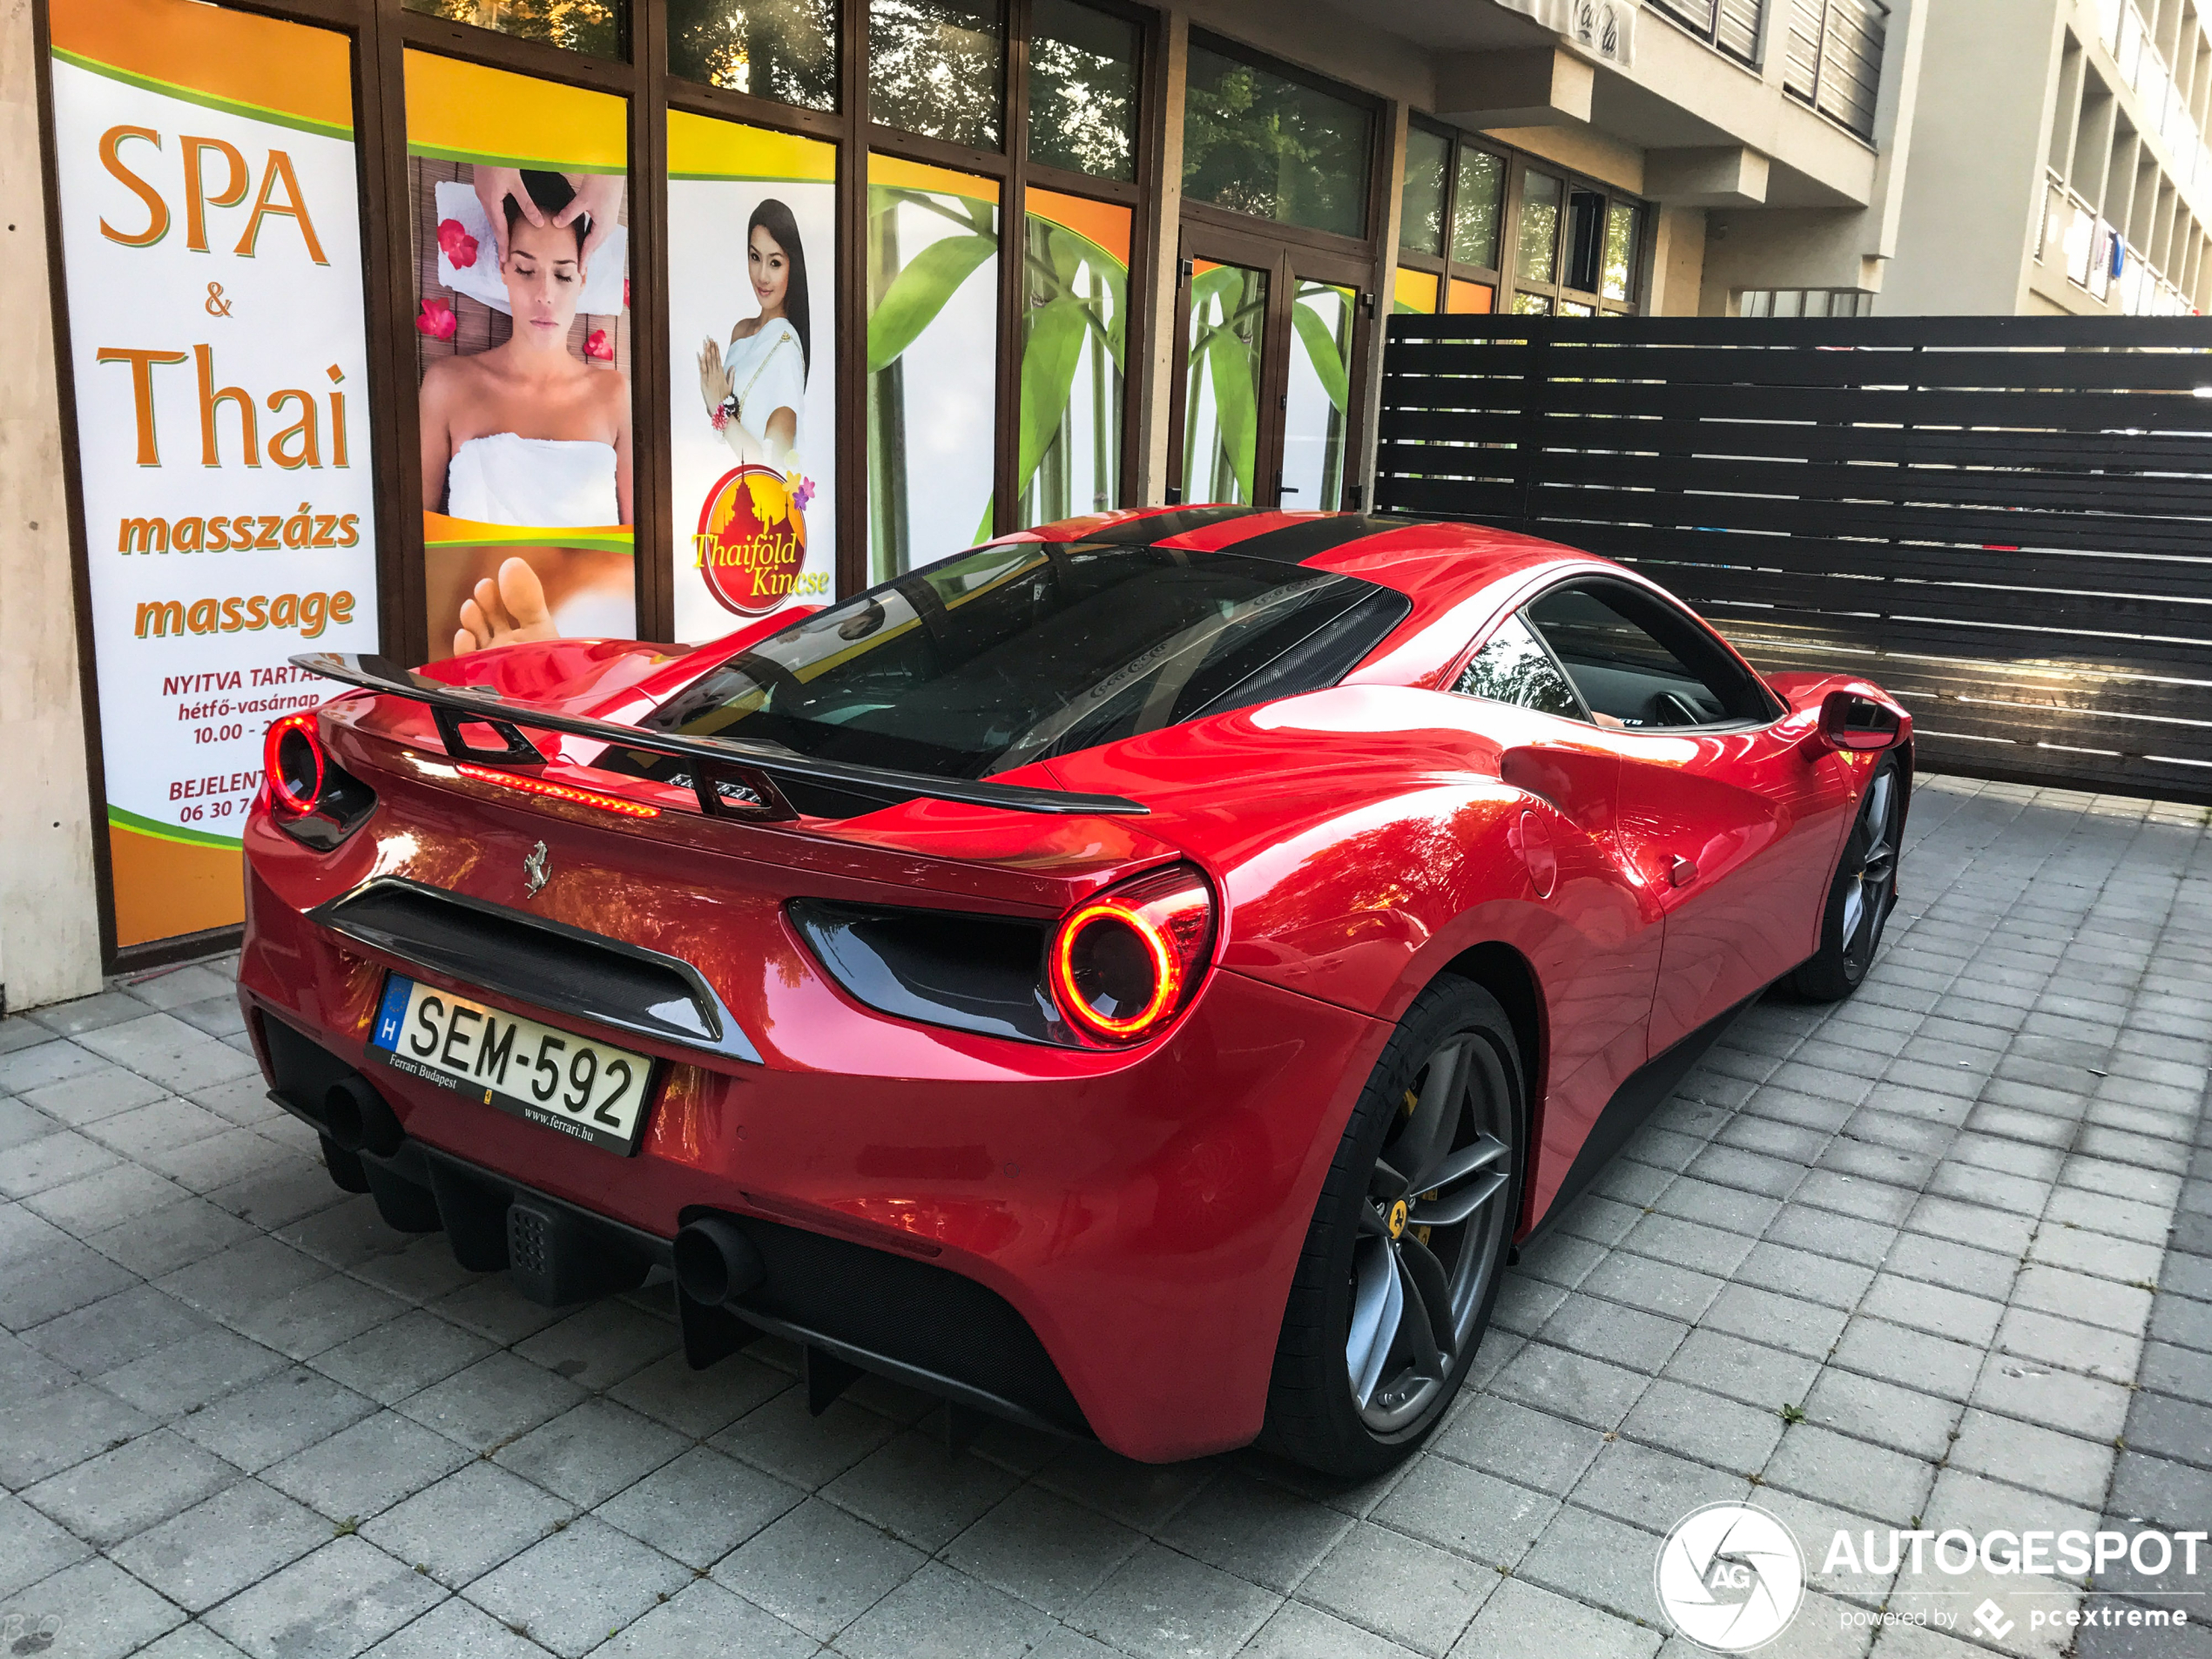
211,245
516,189
752,371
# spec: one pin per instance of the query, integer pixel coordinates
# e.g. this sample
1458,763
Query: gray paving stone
339,1601
98,1611
704,1618
1142,1496
1523,1619
1920,1306
115,1329
1651,1488
459,1527
209,1553
1884,1412
572,1590
1741,1370
1570,1384
32,1547
601,1344
366,1468
1160,1605
498,1399
2030,1455
1779,1321
94,1203
171,1053
188,1374
1532,1447
106,1499
1961,1267
1595,1559
1415,1594
1824,1232
1640,1341
56,1430
1467,1512
1912,1359
819,1568
1723,1433
387,1363
33,1166
2085,1298
1254,1529
590,1452
25,1373
455,1629
2100,1352
941,1614
285,1412
94,1094
1652,1286
1703,1248
1834,1468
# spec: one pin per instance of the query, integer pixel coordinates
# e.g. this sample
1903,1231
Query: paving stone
455,1629
33,1166
1920,1306
212,1551
941,1614
1523,1619
1744,1371
31,1547
115,1329
2030,1455
1824,1232
704,1618
499,1399
388,1362
1417,1595
600,1345
2080,1347
571,1590
1652,1286
337,1602
283,1414
366,1468
187,1375
2084,1298
1467,1512
819,1568
1698,1425
1570,1384
99,1611
1254,1529
1779,1321
1160,1605
1703,1248
106,1499
1596,1558
590,1452
163,1047
1912,1359
1651,1488
700,1507
94,1094
1142,1496
2171,1428
1883,1412
1622,1335
57,1430
96,1202
1533,1447
459,1527
1834,1468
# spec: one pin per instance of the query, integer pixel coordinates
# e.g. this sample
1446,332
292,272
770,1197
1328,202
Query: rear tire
1363,1370
1863,893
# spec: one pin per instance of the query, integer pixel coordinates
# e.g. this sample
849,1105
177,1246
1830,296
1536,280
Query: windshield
1020,651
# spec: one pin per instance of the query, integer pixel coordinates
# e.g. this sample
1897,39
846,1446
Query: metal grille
1835,58
2007,521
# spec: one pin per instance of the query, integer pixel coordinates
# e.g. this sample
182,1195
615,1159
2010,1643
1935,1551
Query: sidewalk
1939,1257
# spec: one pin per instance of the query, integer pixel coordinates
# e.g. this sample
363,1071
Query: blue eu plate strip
393,1013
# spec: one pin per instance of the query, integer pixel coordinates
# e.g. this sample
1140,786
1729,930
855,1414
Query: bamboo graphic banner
210,231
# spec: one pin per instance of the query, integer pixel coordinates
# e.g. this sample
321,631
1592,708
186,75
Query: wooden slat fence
2007,521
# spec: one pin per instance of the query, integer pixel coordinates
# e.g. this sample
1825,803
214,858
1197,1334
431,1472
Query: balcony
1835,59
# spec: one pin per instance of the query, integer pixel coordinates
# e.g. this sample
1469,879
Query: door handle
1681,872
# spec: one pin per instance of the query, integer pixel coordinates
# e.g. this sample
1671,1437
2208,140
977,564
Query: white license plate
554,1078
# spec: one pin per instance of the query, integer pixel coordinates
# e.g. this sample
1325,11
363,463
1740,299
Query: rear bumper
1086,1241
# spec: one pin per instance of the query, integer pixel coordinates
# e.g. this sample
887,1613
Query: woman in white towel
528,433
755,389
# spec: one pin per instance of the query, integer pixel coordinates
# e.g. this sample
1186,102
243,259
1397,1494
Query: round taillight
1124,963
293,758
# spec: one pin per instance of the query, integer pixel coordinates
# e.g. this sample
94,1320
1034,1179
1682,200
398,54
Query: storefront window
1313,414
1221,417
1421,219
1536,244
1474,214
1075,322
785,49
1620,252
1471,299
932,362
1257,142
938,68
599,27
1414,291
1531,305
1082,89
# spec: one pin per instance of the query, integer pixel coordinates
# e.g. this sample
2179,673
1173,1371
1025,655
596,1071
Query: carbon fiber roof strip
1295,543
1158,526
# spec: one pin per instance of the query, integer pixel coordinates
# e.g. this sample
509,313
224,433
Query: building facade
404,325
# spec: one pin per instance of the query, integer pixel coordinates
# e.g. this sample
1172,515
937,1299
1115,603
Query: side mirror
1858,725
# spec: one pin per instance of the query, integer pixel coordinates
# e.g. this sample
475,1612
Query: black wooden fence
2007,521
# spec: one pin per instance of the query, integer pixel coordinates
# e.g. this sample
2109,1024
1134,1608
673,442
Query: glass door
1264,414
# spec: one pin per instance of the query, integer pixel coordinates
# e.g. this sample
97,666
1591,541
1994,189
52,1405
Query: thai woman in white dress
528,433
755,389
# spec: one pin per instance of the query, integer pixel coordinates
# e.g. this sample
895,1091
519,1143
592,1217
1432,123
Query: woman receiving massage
528,433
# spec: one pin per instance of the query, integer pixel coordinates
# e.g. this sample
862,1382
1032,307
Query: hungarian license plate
556,1079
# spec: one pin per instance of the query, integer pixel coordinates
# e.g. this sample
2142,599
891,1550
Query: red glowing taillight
291,755
548,790
1122,964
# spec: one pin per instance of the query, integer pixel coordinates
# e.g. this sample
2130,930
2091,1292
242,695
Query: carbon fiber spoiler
757,772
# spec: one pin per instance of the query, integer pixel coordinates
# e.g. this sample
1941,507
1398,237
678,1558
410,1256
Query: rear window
1021,651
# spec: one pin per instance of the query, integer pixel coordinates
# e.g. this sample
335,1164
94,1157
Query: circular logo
1398,1213
751,540
1730,1577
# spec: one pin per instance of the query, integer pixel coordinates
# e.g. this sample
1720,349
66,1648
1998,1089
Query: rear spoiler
756,770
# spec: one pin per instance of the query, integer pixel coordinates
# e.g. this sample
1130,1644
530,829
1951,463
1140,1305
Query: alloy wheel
1873,888
1432,1227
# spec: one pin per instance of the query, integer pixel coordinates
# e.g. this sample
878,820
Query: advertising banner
522,260
211,242
752,371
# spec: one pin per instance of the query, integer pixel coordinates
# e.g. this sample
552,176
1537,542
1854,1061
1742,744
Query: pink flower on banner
458,246
597,345
802,493
437,321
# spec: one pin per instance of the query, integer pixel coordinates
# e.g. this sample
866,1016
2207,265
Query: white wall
49,936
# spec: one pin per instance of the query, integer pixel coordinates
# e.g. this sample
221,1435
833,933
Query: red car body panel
1144,1210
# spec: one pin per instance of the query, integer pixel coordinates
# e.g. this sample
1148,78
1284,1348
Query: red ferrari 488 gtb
1141,977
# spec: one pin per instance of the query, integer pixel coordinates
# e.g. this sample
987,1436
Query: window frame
1776,708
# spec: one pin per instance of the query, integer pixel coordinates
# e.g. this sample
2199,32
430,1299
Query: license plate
552,1078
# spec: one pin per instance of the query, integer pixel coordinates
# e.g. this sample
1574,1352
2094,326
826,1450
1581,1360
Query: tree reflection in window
1082,89
938,68
592,26
786,49
1257,142
1516,668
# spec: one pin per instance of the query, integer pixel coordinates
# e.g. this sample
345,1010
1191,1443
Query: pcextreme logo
1730,1577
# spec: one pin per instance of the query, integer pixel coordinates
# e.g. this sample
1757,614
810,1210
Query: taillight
312,798
293,755
1124,963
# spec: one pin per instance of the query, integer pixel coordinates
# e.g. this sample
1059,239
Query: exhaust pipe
715,1262
358,1119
